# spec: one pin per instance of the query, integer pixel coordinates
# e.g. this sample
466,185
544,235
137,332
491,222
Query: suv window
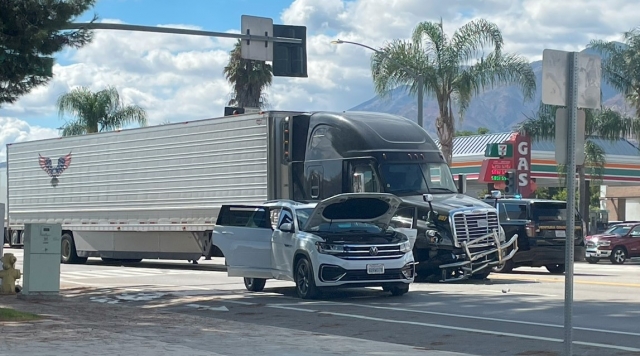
513,211
548,211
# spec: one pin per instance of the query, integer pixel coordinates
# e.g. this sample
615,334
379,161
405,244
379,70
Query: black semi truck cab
327,153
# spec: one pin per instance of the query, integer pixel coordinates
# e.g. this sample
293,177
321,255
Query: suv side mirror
286,227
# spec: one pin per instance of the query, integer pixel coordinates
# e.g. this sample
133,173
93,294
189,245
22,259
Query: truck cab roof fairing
368,131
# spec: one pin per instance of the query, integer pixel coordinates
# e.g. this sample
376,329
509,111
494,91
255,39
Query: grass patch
7,314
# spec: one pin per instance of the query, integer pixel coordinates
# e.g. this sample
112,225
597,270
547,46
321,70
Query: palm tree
450,69
605,123
620,63
97,111
249,79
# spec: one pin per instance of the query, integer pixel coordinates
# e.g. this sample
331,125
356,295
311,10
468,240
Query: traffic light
510,182
290,59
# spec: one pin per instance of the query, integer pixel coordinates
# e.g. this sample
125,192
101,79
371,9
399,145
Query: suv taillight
530,229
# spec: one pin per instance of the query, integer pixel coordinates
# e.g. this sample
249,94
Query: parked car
618,243
540,225
342,241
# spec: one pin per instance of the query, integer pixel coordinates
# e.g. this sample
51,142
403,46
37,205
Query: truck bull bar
473,262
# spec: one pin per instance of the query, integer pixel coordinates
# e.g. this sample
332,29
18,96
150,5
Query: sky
178,78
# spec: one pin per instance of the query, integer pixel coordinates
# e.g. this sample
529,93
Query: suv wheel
305,281
555,269
618,256
254,284
593,260
506,267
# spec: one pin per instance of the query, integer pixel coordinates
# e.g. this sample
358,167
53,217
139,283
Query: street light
411,72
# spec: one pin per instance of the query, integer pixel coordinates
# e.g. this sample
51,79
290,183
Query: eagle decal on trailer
54,172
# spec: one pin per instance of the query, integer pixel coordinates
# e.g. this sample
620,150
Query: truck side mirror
286,227
427,198
496,194
358,182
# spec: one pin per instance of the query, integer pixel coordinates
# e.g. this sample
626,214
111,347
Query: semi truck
155,192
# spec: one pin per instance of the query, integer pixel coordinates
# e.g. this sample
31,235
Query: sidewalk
74,326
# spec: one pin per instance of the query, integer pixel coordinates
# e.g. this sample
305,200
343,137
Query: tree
621,65
30,33
249,79
97,112
605,123
450,69
479,131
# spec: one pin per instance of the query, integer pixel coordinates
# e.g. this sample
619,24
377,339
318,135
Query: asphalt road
509,314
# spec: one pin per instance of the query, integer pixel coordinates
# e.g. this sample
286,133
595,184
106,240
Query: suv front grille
370,252
468,225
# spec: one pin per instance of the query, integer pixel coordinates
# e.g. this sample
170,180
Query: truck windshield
417,178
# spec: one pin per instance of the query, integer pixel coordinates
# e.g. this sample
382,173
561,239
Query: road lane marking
277,306
458,328
519,293
561,280
483,318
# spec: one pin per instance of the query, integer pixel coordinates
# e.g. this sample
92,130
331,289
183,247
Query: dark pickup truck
541,228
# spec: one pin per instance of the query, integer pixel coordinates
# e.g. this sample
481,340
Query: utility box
41,275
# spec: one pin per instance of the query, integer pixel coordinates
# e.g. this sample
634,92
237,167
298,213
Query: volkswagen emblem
373,251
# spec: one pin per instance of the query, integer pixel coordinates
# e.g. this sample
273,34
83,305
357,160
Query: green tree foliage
249,79
621,65
453,68
97,111
30,33
479,131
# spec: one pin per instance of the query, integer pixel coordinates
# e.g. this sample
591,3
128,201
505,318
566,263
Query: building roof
476,144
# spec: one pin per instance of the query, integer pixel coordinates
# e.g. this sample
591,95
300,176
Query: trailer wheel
68,251
254,284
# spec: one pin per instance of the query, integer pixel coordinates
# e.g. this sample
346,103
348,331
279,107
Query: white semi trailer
155,192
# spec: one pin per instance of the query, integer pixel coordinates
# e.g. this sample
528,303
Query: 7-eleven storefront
535,163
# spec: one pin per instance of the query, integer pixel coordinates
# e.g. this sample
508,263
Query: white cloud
16,130
177,78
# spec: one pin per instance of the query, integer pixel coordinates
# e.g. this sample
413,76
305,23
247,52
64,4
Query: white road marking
519,293
457,328
470,317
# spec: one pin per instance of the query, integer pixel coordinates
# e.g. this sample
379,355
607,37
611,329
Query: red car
617,243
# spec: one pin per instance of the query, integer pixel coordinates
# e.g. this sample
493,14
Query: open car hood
373,208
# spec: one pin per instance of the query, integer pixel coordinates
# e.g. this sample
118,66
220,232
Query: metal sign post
572,128
573,80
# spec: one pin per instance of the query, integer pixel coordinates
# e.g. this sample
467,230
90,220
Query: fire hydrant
9,274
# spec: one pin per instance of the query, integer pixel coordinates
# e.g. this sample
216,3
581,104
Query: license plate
561,233
375,269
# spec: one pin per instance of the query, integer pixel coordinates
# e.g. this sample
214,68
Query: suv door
243,234
283,243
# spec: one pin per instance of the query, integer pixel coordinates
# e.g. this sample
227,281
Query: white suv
342,241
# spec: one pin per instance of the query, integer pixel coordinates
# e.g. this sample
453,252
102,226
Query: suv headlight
324,247
405,246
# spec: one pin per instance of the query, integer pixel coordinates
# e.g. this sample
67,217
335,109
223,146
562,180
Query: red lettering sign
493,169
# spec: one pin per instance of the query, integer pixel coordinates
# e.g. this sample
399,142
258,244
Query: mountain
498,109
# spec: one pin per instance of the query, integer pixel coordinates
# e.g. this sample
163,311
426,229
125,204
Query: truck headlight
405,246
604,243
324,247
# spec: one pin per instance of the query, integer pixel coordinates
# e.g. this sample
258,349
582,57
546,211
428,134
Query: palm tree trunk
444,125
583,205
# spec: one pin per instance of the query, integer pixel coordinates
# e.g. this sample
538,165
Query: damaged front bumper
469,263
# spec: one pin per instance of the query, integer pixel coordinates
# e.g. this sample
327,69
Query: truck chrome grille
470,225
370,252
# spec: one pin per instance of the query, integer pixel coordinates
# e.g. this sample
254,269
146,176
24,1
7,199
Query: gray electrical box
41,275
